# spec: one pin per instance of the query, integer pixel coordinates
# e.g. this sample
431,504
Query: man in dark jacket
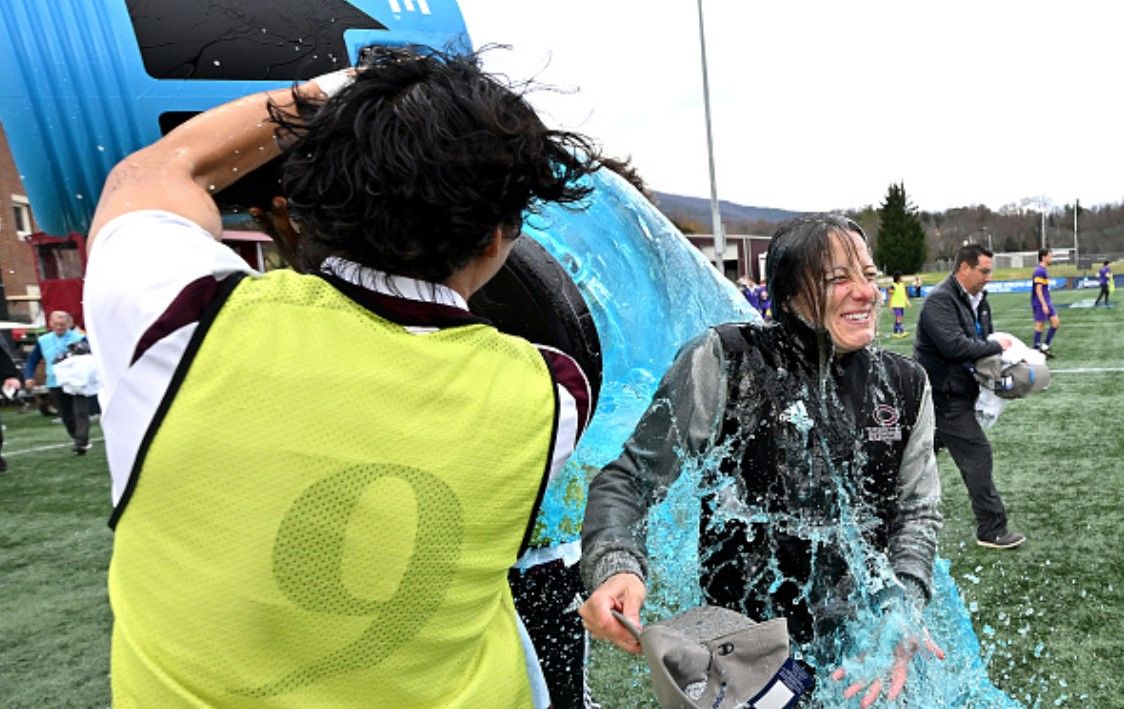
951,335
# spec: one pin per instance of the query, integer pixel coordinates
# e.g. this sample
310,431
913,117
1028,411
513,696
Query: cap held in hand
717,658
1012,381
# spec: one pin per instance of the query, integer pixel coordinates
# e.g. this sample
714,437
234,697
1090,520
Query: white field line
1087,370
9,453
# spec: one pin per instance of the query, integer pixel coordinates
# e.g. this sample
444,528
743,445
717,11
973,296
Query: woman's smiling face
852,297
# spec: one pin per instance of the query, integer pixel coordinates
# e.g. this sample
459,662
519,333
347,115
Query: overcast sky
821,105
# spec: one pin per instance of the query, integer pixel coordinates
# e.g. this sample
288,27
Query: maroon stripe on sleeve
187,308
568,374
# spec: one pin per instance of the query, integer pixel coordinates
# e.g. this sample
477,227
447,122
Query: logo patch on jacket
887,430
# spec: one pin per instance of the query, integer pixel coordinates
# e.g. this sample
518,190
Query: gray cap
716,658
1011,381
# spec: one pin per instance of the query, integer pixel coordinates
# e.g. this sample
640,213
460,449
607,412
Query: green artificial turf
54,552
1048,615
1050,612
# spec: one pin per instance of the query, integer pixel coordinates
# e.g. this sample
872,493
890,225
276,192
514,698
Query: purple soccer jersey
763,299
1103,273
1041,278
751,296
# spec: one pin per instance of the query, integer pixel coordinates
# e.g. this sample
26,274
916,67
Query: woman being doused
823,506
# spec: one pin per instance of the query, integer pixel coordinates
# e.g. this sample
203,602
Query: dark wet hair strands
411,168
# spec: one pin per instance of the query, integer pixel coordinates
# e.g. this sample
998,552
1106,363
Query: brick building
18,281
744,257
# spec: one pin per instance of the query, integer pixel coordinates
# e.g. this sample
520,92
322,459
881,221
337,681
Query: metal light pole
715,213
1076,209
1043,205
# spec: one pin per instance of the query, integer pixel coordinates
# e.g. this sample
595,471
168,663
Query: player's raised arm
180,172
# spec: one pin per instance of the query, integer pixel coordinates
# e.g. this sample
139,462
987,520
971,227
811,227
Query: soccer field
1048,615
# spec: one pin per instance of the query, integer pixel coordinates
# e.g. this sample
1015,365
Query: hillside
686,210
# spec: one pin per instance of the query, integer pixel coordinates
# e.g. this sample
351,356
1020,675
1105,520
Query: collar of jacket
810,345
959,290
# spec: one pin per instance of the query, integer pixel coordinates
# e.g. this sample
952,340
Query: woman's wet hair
799,260
412,167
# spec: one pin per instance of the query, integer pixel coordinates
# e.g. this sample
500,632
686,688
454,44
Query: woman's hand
623,593
899,670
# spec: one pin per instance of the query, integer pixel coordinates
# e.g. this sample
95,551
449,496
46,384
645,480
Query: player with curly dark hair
352,547
408,171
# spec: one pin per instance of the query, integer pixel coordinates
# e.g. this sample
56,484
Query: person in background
815,430
748,291
11,376
1041,306
916,286
354,550
1104,277
50,348
763,303
952,333
899,301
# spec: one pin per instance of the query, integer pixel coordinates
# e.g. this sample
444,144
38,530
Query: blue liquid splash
649,292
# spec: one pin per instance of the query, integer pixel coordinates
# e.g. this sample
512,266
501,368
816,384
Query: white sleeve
139,264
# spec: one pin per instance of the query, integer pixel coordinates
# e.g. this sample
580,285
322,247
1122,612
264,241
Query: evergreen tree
901,238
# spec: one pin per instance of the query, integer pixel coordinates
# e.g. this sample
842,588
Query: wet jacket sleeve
941,322
682,421
913,538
